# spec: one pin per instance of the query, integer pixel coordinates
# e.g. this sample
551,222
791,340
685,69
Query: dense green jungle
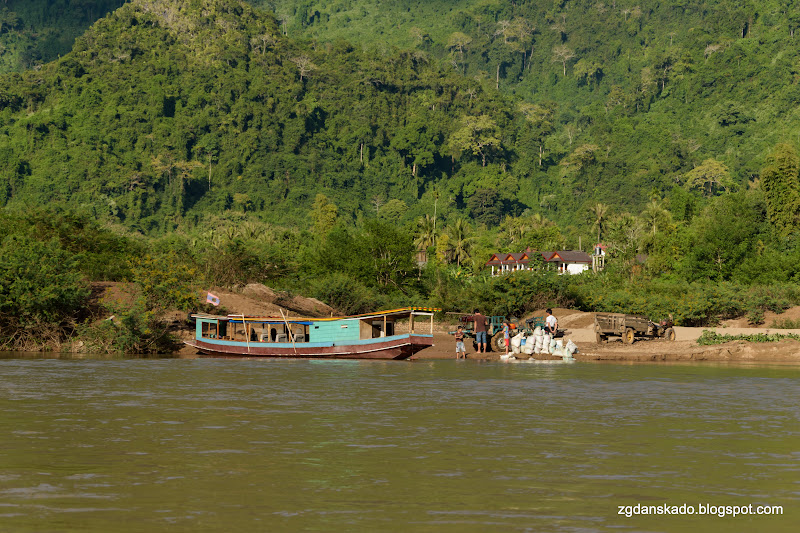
323,147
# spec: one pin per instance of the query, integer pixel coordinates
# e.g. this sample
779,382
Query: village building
562,261
599,257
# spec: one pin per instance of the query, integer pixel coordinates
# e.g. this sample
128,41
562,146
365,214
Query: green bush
786,323
709,337
346,295
160,284
691,304
42,293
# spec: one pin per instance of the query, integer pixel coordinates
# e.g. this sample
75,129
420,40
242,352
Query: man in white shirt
550,323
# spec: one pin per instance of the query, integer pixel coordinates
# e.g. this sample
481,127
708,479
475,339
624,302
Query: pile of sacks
541,343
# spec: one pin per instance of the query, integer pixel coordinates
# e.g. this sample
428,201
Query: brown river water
133,445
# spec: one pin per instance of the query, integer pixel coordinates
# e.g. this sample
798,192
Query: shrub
786,323
41,293
346,295
161,283
709,337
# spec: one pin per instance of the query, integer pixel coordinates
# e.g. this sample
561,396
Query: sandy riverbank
257,300
579,326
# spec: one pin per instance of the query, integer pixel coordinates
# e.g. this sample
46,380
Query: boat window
238,331
373,329
209,330
300,332
223,330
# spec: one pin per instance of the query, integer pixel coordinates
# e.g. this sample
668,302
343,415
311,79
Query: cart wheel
669,334
497,344
628,337
599,337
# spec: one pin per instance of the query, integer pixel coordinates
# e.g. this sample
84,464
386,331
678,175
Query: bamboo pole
246,334
288,330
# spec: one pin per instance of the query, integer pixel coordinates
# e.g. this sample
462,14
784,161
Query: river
131,445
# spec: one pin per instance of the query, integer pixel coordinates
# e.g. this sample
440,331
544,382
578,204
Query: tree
655,217
419,35
520,31
725,235
710,177
425,232
623,235
598,213
41,292
460,240
391,254
459,41
304,65
323,214
562,54
539,119
588,71
478,135
393,210
780,180
486,206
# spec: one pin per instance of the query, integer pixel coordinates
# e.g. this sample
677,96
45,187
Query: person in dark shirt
480,330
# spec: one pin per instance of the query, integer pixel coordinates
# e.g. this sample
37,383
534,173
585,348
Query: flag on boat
212,299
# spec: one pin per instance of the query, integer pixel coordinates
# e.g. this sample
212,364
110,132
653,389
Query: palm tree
461,240
514,228
655,216
426,232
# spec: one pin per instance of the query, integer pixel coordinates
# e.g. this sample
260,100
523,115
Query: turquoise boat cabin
385,331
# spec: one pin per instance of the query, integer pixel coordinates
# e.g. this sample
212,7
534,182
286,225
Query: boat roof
401,312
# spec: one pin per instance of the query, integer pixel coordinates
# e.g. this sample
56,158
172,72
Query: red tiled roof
570,256
522,258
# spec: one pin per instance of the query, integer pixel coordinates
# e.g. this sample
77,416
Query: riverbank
580,329
649,350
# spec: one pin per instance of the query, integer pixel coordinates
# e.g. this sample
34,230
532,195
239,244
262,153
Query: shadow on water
86,357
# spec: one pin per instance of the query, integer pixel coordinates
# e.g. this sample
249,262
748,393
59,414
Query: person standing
550,323
460,343
506,334
480,331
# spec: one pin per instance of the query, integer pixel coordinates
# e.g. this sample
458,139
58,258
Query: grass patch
709,337
786,323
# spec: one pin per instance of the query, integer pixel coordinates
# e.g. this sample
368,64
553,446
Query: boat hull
397,347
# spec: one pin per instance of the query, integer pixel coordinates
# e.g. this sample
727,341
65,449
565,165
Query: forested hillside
166,110
612,103
319,146
635,93
34,32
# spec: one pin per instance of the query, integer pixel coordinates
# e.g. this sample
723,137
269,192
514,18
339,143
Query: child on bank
460,343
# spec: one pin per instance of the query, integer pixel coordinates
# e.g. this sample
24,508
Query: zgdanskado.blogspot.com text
699,509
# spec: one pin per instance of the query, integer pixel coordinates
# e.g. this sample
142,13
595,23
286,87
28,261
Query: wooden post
431,323
411,322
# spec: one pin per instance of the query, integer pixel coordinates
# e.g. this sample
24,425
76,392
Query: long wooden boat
383,335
